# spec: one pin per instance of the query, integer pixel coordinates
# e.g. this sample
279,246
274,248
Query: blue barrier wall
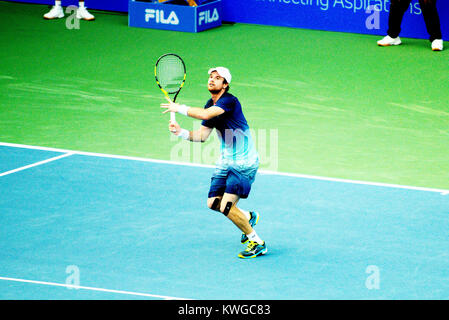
333,15
110,5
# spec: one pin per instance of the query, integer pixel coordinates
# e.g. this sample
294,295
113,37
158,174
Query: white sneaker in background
437,45
389,41
55,13
82,13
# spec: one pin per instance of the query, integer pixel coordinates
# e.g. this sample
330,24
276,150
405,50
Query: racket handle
172,119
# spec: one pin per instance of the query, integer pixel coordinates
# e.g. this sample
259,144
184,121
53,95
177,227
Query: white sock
246,213
254,237
81,4
57,3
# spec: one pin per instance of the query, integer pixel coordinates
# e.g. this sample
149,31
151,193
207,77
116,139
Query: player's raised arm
200,135
217,86
197,113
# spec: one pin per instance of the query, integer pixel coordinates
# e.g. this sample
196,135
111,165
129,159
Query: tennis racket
170,74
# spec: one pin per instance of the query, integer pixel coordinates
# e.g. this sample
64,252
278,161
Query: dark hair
228,87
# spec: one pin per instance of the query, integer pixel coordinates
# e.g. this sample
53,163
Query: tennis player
236,169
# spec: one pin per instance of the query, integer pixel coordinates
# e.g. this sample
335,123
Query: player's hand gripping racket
170,74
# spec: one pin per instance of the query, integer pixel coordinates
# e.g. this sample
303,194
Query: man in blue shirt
236,169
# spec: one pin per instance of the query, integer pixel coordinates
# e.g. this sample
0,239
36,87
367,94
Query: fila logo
159,16
207,17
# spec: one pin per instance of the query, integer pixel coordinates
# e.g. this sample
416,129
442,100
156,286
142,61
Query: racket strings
170,72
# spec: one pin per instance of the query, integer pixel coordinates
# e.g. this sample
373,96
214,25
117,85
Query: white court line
265,172
378,184
93,289
35,164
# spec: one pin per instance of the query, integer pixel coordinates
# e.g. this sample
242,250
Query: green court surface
336,104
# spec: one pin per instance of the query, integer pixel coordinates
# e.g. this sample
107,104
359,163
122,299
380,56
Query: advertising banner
355,16
174,17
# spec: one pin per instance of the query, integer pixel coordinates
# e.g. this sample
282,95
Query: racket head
170,74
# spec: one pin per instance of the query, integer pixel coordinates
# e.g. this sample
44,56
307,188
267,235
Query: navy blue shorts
232,180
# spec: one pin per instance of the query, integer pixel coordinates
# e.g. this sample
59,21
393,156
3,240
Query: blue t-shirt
237,147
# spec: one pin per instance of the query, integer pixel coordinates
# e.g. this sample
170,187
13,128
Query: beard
214,91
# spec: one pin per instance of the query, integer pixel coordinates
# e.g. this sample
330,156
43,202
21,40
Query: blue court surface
140,229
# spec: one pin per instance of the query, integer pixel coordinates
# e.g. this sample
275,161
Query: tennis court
126,229
89,183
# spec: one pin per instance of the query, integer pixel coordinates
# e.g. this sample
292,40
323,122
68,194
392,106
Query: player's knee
226,208
214,204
